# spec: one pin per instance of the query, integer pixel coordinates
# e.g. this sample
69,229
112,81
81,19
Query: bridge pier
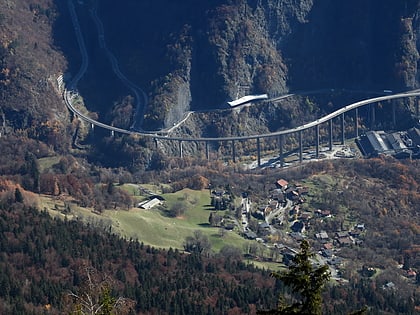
342,129
372,123
112,133
280,143
92,133
317,141
258,152
233,152
207,151
394,121
300,147
181,153
356,121
330,134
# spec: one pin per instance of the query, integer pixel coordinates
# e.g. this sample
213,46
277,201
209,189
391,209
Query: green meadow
153,226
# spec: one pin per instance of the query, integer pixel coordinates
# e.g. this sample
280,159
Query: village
276,221
283,221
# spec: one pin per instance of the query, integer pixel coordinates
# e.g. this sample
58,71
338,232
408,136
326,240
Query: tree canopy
306,282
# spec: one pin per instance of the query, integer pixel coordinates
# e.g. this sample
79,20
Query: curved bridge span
69,94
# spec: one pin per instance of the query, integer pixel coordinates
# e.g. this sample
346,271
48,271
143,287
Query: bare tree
94,297
177,209
198,243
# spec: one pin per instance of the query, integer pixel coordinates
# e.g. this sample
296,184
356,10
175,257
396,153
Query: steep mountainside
42,263
227,49
29,66
189,55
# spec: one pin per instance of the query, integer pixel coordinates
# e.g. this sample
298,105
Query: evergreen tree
306,283
18,195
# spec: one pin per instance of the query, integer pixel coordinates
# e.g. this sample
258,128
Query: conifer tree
18,195
306,283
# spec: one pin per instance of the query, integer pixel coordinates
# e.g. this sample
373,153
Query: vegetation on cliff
197,55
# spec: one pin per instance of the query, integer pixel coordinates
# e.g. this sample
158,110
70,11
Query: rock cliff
196,55
222,50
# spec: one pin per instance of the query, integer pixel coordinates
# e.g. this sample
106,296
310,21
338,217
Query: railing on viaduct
279,135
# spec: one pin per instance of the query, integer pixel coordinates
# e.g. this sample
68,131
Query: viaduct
70,92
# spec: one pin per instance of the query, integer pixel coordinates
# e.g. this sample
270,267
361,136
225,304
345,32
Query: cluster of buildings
402,144
330,243
285,210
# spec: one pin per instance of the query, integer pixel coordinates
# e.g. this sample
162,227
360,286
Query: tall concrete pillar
233,152
280,142
112,133
394,121
300,147
181,154
356,121
258,152
330,134
342,129
207,151
373,114
92,131
317,141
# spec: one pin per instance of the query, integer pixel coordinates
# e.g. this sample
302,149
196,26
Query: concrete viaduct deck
68,96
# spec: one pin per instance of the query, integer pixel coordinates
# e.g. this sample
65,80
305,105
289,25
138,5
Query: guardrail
319,121
155,135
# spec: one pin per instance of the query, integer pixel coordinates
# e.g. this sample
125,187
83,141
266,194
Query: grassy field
47,162
156,229
152,227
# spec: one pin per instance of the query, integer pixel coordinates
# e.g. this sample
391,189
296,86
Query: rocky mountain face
196,55
29,67
200,55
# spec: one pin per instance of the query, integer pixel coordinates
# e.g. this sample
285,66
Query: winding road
140,95
68,95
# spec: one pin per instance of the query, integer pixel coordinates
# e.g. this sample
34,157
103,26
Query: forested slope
195,55
43,259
